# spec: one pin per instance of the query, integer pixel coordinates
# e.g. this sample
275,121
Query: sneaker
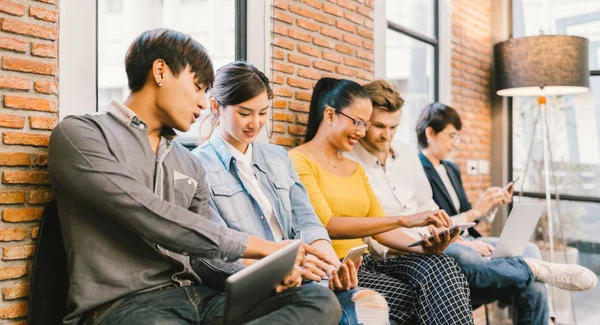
570,277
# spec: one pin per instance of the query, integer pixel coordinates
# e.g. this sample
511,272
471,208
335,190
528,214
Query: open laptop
252,285
518,229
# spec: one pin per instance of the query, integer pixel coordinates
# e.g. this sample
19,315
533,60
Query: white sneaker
570,277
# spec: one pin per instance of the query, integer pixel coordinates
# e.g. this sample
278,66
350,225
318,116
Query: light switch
484,166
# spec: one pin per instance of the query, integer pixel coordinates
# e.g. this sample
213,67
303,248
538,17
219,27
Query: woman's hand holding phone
439,243
345,277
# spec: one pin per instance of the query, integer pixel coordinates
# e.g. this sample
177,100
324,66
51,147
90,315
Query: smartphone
462,226
355,253
511,183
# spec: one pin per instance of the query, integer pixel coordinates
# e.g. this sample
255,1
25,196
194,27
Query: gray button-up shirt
130,217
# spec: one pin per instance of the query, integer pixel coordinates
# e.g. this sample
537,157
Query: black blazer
441,196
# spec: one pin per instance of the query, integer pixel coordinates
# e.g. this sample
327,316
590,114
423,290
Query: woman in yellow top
420,288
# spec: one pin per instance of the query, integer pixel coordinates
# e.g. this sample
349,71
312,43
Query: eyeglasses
358,124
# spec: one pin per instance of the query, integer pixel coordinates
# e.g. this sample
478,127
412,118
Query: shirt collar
245,158
129,117
226,155
369,159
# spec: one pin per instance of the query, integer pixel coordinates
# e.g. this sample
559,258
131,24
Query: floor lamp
541,66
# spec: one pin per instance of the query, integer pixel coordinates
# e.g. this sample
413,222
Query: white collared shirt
244,164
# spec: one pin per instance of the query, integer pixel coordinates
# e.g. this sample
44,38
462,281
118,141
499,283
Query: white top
441,170
401,185
244,163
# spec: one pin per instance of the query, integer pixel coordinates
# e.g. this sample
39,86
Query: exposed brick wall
28,111
314,39
471,64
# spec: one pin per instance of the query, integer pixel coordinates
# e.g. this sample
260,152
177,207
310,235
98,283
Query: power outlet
484,166
472,167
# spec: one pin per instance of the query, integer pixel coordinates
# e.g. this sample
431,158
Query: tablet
252,285
462,226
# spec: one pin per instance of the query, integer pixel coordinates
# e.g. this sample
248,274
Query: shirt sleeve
375,209
307,174
82,166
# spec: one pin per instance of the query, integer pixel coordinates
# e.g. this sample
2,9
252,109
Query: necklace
329,160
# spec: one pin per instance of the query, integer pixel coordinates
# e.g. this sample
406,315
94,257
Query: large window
214,23
412,56
574,127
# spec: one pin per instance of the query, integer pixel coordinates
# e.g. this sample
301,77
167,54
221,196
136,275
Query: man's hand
436,218
439,244
315,269
481,247
293,280
346,277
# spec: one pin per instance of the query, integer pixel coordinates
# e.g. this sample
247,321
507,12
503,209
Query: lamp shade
556,63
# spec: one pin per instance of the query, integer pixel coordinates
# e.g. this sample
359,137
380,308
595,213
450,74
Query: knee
371,307
532,251
324,301
464,256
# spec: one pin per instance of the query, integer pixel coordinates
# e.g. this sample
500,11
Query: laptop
252,285
518,229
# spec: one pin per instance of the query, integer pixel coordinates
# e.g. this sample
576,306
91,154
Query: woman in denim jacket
254,188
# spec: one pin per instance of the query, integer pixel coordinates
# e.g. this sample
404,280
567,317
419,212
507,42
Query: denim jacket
234,206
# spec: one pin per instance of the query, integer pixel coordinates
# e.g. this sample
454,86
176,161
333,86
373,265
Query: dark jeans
308,304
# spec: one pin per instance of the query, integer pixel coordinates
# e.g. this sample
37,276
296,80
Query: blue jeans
307,304
508,280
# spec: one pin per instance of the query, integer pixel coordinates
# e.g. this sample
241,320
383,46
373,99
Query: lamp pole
545,144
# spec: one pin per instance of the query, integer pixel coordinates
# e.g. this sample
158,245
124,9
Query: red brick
302,118
364,55
297,129
278,66
15,159
280,29
299,35
283,17
16,83
278,54
332,9
284,117
13,44
25,65
353,63
13,272
18,252
325,66
279,79
12,7
44,50
41,160
369,23
333,57
301,60
17,291
303,95
325,19
309,50
283,92
40,196
368,45
299,83
309,74
14,310
370,3
365,33
364,75
368,66
12,121
278,128
22,215
46,87
26,139
43,14
281,4
331,32
283,141
284,43
345,71
49,1
313,3
341,24
365,11
344,49
355,18
352,39
323,42
35,231
12,234
42,123
278,103
35,30
25,177
308,25
299,10
348,4
12,197
299,107
30,103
